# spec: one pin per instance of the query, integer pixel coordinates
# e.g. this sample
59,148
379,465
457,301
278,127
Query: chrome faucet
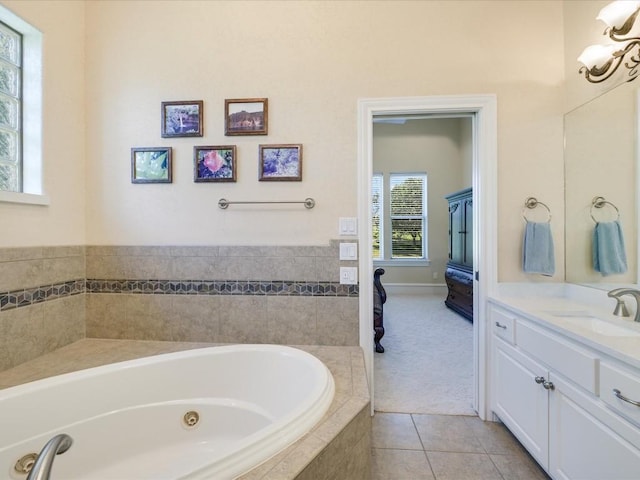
42,467
621,309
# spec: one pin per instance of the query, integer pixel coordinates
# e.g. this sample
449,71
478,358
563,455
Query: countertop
564,314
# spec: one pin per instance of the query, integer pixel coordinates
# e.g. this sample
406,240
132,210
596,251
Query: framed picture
214,164
182,119
280,162
246,116
151,165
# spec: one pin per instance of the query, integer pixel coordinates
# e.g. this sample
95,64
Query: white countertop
548,304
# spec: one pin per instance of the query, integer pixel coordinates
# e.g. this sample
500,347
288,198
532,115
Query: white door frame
484,110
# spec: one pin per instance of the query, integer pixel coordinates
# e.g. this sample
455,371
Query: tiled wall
42,301
289,295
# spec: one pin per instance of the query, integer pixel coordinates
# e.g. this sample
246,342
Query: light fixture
600,62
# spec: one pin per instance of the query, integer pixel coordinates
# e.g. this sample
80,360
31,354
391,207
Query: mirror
601,161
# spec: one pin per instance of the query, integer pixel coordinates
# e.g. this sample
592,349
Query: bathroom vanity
564,381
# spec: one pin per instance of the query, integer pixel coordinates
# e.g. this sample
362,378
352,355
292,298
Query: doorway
483,108
418,162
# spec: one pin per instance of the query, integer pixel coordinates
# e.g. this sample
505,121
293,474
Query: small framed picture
214,164
151,165
280,162
246,116
182,119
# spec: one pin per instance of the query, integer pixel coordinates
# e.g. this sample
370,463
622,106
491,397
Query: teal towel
537,251
609,255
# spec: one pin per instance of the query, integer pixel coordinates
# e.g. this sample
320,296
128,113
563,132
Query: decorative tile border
222,287
31,296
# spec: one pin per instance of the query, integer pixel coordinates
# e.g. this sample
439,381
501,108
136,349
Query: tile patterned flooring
429,446
447,447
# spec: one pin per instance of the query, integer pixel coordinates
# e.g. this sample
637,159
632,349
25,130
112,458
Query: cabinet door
467,235
586,440
456,216
521,403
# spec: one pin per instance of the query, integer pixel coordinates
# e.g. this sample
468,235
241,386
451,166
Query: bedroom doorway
419,160
483,111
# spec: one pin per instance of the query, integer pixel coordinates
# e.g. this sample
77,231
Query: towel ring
599,202
532,203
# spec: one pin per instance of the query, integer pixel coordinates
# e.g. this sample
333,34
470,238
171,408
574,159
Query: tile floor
447,447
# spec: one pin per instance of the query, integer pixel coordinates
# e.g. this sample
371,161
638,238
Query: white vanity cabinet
546,390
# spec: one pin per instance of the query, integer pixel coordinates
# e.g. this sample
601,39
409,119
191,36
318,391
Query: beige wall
62,222
434,146
313,60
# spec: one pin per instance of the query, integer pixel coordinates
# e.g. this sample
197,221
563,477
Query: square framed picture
151,165
182,119
280,162
246,116
214,164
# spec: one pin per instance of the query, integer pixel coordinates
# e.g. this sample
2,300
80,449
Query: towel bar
224,203
599,202
532,203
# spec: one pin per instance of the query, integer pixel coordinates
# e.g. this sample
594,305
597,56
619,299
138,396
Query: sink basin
599,326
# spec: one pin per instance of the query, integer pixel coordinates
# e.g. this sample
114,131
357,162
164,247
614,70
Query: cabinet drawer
568,359
460,288
504,325
627,383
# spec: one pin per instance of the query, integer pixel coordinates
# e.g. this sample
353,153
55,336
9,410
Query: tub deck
339,445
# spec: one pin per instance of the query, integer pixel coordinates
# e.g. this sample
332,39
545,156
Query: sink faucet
621,309
42,467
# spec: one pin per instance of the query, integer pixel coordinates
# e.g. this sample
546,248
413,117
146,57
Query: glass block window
10,109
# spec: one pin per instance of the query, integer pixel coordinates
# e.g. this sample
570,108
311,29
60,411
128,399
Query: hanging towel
609,255
537,251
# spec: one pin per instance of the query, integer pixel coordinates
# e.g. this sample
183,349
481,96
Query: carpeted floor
427,366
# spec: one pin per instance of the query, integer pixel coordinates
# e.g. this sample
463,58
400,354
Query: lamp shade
616,13
596,55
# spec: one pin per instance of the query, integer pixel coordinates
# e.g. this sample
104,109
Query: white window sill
422,262
24,198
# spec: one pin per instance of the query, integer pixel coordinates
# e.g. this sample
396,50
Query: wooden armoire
459,273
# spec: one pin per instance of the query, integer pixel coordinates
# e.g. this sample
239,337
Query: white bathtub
126,419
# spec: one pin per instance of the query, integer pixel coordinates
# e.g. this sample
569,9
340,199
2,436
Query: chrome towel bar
224,203
599,202
532,203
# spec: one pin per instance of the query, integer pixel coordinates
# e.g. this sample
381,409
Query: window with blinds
10,109
377,209
399,220
407,213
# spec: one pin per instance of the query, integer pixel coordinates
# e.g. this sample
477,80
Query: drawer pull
499,325
625,399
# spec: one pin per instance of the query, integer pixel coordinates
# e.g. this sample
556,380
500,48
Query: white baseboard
416,288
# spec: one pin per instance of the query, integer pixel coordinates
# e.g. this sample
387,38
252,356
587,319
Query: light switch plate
348,226
348,251
349,275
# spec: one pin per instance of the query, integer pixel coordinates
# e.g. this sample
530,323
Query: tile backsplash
52,296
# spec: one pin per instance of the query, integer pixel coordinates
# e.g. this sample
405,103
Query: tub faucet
621,309
42,467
